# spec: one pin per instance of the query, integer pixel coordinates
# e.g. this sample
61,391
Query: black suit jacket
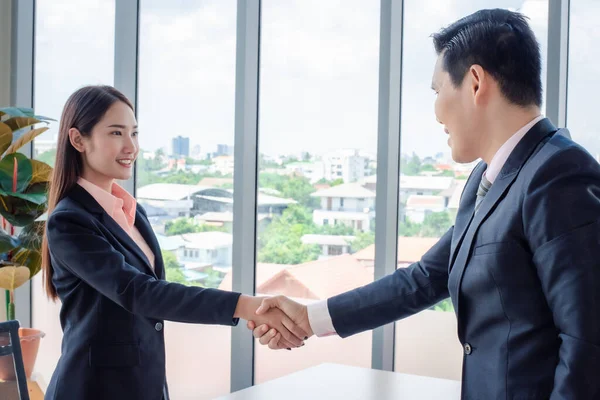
114,305
523,274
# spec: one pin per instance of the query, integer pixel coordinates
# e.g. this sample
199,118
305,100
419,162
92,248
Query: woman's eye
116,133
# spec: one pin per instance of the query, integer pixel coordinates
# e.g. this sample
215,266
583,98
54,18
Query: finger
266,305
251,325
295,329
284,344
260,331
288,336
266,338
274,344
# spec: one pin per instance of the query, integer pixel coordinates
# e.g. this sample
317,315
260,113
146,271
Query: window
583,70
426,343
74,46
319,65
335,250
185,111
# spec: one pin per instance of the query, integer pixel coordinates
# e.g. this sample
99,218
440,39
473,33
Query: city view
317,160
311,209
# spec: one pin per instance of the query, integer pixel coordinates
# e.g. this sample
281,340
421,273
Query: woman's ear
76,139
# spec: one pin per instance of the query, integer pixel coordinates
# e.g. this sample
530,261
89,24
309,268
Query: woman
102,260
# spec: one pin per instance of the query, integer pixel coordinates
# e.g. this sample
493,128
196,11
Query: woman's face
109,152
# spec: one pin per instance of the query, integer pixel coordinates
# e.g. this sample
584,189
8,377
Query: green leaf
24,172
20,212
41,171
26,138
31,236
44,119
36,198
6,137
11,277
7,242
31,259
16,112
17,123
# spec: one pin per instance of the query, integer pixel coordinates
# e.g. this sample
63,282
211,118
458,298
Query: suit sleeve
398,295
75,244
561,217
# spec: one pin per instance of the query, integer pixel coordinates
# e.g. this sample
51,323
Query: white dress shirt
319,317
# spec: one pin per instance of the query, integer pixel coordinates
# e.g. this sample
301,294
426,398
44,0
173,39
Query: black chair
14,349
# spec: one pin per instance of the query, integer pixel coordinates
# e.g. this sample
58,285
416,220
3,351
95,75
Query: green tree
408,228
180,226
281,242
291,187
173,270
411,166
338,229
184,225
363,240
436,224
444,306
337,182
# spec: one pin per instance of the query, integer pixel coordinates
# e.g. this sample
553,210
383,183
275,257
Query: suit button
158,327
468,349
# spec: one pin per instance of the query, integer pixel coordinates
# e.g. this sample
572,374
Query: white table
334,381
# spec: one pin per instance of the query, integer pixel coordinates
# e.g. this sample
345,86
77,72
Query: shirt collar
119,200
504,151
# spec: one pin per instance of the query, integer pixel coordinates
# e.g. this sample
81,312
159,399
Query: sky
319,67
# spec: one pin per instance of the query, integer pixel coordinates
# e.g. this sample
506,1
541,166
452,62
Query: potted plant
23,202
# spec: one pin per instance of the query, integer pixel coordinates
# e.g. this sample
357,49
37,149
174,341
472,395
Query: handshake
277,321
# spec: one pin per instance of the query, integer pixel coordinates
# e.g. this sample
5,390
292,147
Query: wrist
246,307
309,330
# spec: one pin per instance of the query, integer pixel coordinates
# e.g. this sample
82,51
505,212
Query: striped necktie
484,187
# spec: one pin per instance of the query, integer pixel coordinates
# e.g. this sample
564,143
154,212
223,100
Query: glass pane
318,143
583,72
185,169
74,47
431,182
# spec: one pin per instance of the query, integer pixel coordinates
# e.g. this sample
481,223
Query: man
522,262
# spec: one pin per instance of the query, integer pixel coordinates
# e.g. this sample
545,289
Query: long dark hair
83,110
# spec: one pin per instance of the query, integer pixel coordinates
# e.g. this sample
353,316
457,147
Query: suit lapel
82,196
143,225
465,210
526,147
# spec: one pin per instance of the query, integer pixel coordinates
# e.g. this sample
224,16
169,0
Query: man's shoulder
560,151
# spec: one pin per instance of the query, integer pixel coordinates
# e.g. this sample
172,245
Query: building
224,150
178,200
454,201
223,165
410,250
225,220
415,185
313,171
418,207
180,146
331,245
348,165
197,152
206,249
349,204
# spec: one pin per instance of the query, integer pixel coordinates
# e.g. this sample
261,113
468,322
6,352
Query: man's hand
295,311
289,334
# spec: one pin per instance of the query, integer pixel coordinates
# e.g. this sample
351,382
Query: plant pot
30,344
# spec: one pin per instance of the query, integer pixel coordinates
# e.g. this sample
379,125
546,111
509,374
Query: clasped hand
277,335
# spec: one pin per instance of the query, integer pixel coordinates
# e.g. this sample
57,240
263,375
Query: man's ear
478,82
76,139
